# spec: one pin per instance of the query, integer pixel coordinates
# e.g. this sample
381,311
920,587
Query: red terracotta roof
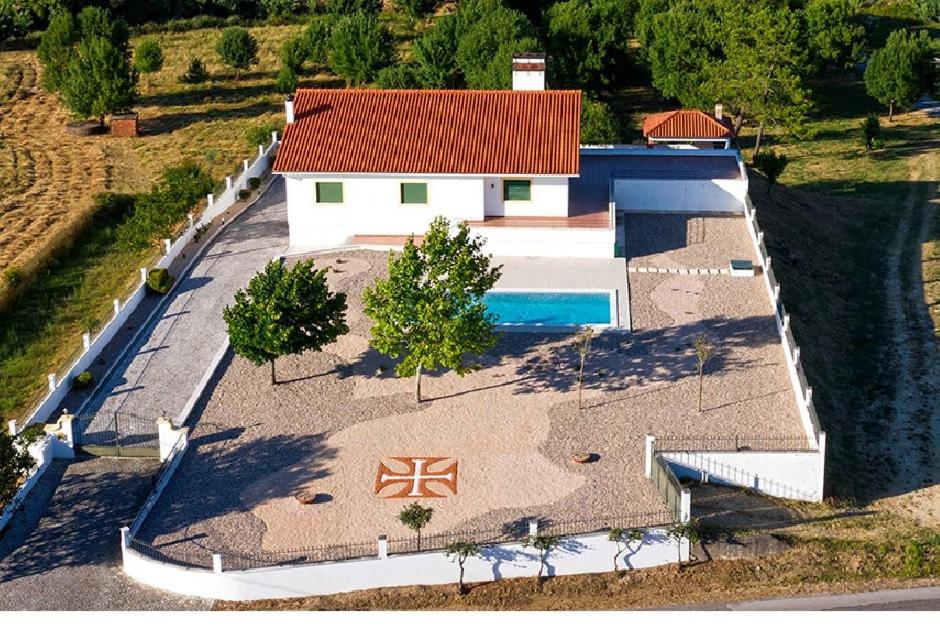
686,124
433,131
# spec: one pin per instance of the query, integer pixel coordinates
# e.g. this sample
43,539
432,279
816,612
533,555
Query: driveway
63,551
179,344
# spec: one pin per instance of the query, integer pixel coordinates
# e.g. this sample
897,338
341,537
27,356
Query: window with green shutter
414,193
329,192
517,190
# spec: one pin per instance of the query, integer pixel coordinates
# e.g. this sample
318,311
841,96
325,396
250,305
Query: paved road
916,599
179,345
63,551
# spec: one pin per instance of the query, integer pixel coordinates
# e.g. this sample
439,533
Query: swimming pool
562,308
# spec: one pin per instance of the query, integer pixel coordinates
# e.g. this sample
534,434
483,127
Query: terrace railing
668,486
731,443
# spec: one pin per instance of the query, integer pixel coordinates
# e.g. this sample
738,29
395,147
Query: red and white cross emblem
415,477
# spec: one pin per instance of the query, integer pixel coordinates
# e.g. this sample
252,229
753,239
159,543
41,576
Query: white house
371,167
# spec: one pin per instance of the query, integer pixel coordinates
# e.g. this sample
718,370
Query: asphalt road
915,599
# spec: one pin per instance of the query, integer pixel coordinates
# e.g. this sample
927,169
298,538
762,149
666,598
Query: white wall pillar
210,198
217,563
685,506
168,436
192,220
86,341
260,150
167,244
143,275
125,538
383,547
796,355
244,165
809,395
117,306
228,181
273,137
51,378
533,527
11,427
63,429
650,446
822,466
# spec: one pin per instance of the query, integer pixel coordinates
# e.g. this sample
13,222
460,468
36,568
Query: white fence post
228,182
650,445
273,137
796,355
383,546
62,429
820,485
260,150
117,306
167,244
192,220
143,275
786,322
217,563
533,527
125,538
86,341
51,378
210,198
685,505
776,292
809,395
12,427
245,165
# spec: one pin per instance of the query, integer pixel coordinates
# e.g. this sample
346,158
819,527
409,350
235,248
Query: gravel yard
674,240
512,426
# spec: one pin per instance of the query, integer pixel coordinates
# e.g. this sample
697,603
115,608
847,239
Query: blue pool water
536,308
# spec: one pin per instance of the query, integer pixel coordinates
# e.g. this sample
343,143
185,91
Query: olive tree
623,539
430,310
544,544
284,311
416,517
459,552
704,350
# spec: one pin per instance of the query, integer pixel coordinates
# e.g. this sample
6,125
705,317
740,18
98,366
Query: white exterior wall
588,243
576,555
680,195
794,475
372,205
549,198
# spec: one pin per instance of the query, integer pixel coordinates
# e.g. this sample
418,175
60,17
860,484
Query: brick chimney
528,71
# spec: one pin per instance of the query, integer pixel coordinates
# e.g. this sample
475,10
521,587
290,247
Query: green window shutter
517,190
414,193
329,192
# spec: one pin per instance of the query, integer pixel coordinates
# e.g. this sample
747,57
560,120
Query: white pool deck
559,274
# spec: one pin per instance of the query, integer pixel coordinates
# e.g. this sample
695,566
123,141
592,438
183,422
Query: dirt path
912,427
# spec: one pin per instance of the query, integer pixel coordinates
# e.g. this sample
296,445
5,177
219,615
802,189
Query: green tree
274,8
294,53
15,463
488,34
834,33
351,7
196,72
684,531
901,72
99,80
55,49
928,10
771,164
545,544
416,517
415,8
400,77
317,38
588,42
285,311
623,539
148,56
871,131
237,48
359,46
704,350
435,55
430,311
98,22
599,126
460,551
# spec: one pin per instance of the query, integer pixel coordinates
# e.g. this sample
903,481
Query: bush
397,78
237,48
13,276
83,380
196,73
260,134
871,131
349,7
159,281
415,8
598,124
244,194
36,431
148,56
254,183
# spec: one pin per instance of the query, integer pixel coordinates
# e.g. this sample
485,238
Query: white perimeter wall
549,198
792,475
680,195
578,555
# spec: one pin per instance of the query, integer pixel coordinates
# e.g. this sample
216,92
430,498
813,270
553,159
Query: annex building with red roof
689,128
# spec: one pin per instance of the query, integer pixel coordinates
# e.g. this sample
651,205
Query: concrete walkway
63,550
164,369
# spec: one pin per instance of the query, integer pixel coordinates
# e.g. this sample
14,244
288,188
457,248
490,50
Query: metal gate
117,433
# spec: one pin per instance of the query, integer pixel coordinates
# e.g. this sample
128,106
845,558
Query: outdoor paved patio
677,240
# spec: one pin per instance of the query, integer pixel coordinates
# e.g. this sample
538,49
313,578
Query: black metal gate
116,433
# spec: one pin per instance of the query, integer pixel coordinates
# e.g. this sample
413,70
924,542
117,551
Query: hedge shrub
83,380
159,280
244,194
254,183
